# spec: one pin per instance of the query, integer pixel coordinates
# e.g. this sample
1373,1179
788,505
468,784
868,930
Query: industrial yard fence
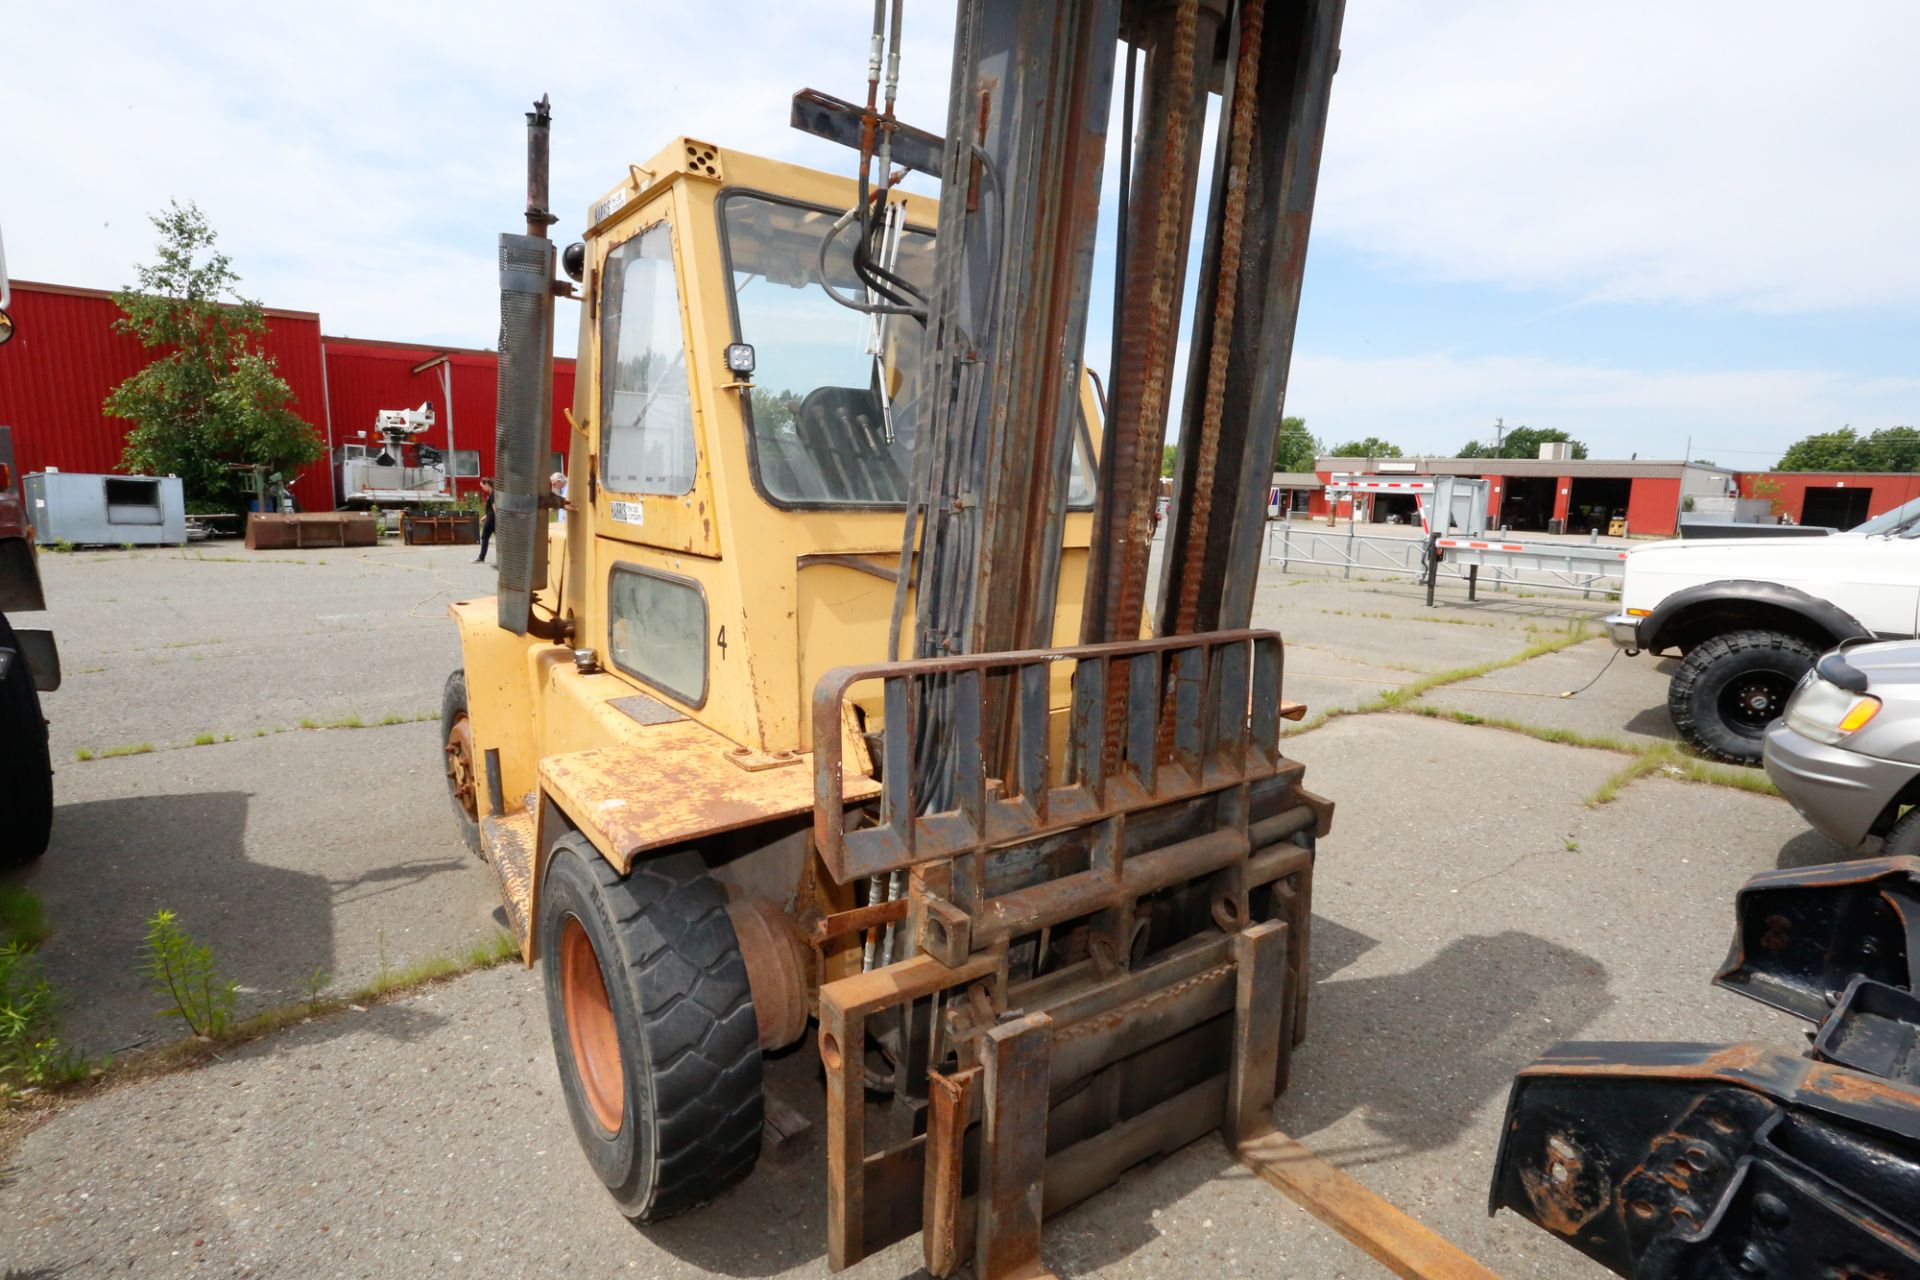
1591,569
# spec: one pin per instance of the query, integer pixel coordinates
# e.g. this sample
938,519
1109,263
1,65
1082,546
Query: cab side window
646,413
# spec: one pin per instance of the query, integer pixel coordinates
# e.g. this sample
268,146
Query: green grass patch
347,722
82,754
125,749
22,919
204,739
1671,760
485,953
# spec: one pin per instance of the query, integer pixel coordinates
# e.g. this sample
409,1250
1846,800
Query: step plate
508,844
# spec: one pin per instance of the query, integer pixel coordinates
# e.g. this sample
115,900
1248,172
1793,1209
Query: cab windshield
836,403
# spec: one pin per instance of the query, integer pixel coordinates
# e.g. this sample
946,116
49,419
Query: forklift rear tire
463,773
26,768
653,1026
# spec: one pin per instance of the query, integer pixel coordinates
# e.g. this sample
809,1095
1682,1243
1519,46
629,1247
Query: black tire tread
1903,838
26,765
1681,701
702,1041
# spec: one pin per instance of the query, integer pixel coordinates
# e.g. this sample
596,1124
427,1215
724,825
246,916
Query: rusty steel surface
673,784
1250,18
1260,1028
950,1104
1399,1243
508,841
1803,934
1665,1161
462,777
1221,702
776,968
1013,1148
1164,177
1291,83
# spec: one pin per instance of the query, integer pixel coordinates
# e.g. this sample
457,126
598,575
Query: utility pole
1680,498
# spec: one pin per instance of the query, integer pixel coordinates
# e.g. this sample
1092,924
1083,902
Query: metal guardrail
1589,569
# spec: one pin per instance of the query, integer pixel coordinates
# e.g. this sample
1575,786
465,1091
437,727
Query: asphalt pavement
1471,909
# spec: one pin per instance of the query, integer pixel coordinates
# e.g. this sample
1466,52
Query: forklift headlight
740,358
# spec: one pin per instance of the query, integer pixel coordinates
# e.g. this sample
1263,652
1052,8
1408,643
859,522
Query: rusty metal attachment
1100,962
1664,1161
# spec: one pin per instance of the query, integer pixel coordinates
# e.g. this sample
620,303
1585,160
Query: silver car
1846,753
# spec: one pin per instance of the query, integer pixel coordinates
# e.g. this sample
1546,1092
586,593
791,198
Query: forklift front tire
653,1027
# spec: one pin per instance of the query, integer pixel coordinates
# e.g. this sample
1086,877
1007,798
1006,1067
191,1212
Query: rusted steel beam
1259,1012
950,1101
1402,1245
1028,910
845,1006
1177,39
1272,155
1013,1150
858,920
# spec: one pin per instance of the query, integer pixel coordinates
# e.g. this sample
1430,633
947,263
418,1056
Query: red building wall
1886,491
1652,503
65,357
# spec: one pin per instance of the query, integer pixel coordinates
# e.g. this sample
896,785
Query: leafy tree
1523,442
210,398
1167,452
1370,447
1891,449
1824,451
1294,448
1888,449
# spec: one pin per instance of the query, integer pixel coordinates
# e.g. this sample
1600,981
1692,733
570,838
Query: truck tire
653,1026
1730,687
462,763
26,768
1903,837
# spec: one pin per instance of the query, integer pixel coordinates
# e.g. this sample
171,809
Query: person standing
557,484
486,518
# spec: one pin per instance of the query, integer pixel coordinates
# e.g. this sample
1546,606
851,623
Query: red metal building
1837,499
66,357
1537,494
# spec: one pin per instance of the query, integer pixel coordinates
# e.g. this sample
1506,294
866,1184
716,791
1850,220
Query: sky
1669,229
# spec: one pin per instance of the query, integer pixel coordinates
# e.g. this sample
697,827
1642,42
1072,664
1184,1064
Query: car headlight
1827,713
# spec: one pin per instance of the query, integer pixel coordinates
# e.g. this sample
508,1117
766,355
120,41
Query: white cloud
1435,403
358,158
1717,150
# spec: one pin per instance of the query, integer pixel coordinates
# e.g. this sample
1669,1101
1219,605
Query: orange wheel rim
590,1027
460,774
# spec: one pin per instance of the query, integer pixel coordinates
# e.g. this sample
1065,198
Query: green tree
1370,447
1167,453
1523,442
211,398
1891,449
1824,451
1294,448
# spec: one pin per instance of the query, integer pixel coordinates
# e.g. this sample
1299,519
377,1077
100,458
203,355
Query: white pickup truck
1750,615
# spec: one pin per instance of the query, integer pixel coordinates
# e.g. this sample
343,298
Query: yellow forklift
835,692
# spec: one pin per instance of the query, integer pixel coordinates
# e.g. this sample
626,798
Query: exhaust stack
525,399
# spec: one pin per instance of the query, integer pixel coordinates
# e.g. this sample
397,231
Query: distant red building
65,358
